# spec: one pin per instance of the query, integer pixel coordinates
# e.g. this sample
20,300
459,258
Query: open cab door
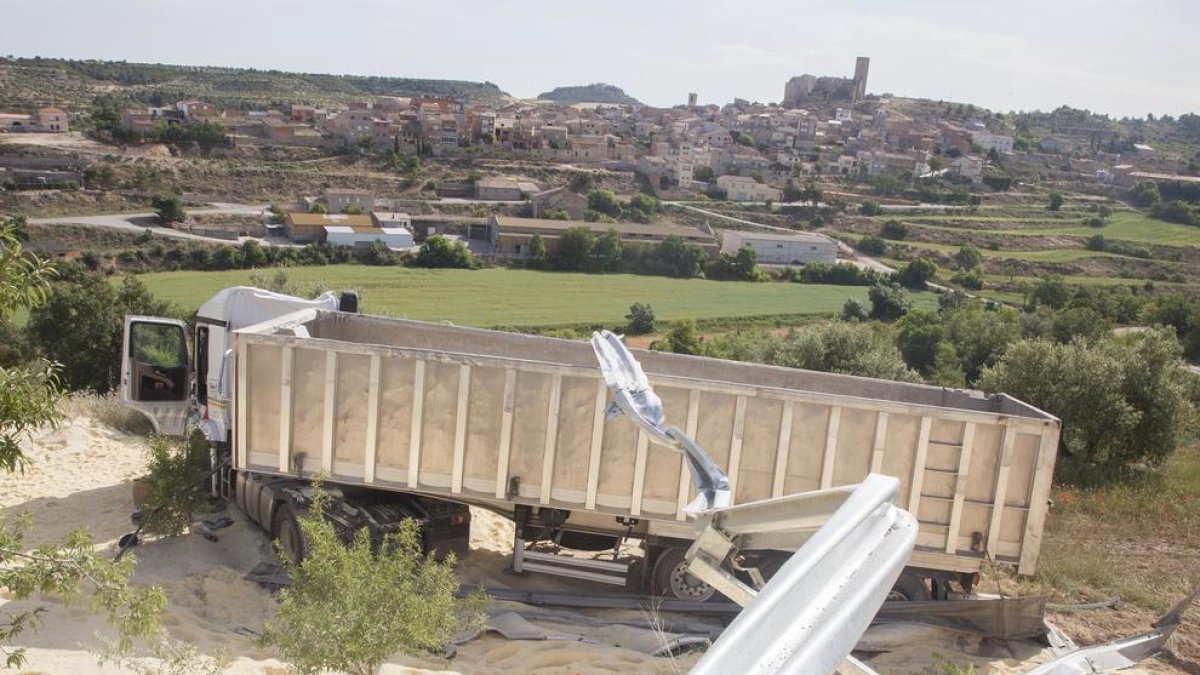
155,375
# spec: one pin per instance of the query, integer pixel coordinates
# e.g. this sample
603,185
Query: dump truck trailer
416,419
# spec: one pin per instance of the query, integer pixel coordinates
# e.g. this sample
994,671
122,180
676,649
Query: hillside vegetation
589,93
26,83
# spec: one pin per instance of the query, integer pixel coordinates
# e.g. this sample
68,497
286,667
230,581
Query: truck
413,419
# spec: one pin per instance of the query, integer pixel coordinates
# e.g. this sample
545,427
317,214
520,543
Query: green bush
439,252
176,484
834,347
888,302
354,604
871,245
895,230
641,319
1123,401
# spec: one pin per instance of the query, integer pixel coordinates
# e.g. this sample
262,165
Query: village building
745,189
338,200
307,227
504,189
800,248
509,237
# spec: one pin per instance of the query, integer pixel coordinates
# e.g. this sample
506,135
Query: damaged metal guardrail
809,616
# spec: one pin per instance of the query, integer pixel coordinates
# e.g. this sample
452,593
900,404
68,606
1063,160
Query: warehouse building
798,248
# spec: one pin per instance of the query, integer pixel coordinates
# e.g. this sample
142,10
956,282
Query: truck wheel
909,587
285,529
672,579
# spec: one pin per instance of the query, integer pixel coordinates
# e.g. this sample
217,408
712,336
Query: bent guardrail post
853,544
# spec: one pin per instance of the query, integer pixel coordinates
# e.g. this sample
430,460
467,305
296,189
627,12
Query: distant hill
27,83
589,93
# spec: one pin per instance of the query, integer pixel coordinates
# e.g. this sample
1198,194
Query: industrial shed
800,248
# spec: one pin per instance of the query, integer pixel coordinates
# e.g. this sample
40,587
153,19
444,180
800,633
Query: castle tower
861,66
692,97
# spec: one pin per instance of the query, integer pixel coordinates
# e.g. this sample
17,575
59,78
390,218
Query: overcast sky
1122,57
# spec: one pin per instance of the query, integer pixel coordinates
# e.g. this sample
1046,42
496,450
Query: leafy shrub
972,281
833,347
853,310
176,484
895,230
870,207
915,274
641,319
439,252
354,604
871,245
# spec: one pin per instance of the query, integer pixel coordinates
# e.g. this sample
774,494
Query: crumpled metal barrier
809,616
1119,654
1001,619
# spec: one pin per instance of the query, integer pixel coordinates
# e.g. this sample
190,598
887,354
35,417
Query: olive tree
71,568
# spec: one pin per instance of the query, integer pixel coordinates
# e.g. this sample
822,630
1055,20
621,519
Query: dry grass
107,410
1139,542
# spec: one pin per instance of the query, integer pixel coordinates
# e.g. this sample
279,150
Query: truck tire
672,579
285,529
909,587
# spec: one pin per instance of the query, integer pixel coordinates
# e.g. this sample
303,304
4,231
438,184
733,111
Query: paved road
141,220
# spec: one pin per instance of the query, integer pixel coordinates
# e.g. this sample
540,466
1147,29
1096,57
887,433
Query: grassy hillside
26,83
527,299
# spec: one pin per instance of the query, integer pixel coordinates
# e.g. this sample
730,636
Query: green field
522,298
1046,255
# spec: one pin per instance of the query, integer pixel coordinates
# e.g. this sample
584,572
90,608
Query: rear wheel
286,530
672,579
909,587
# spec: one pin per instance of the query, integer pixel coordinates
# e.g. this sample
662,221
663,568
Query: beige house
744,189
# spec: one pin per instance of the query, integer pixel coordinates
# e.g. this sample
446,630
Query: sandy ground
79,476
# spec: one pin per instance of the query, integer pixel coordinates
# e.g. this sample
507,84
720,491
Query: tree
1056,201
1122,401
641,319
575,247
678,258
684,337
811,193
80,326
28,400
870,207
871,245
916,274
1051,291
608,249
353,604
604,201
886,185
581,182
318,207
968,257
888,302
833,347
935,164
641,208
252,254
980,337
1145,194
853,310
918,335
703,174
440,252
169,209
895,230
537,249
